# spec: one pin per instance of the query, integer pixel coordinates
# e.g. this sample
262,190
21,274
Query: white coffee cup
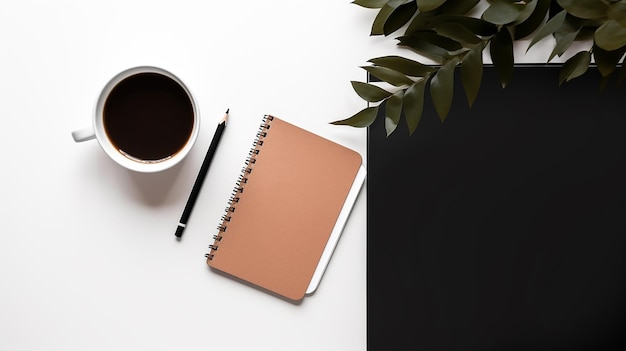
145,119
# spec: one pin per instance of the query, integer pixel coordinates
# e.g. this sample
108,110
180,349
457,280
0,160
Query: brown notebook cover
283,208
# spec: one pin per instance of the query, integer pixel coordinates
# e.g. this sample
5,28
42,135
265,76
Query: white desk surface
88,257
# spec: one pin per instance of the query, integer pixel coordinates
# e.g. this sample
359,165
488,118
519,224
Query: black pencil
201,175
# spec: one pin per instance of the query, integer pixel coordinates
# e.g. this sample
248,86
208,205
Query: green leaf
370,4
450,8
526,10
548,28
370,92
475,25
563,42
431,37
502,12
586,28
610,36
430,44
393,110
413,104
429,5
361,119
420,22
587,9
534,21
378,27
442,89
403,65
458,7
575,66
501,51
399,17
607,60
425,48
457,32
472,73
617,12
388,75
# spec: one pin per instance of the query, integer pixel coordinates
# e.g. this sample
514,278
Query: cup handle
83,134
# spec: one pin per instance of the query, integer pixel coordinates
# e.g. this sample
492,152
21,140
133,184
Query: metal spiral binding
235,196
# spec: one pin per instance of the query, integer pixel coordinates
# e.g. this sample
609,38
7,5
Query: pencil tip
227,110
179,231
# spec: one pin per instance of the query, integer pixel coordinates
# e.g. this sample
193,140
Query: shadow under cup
148,119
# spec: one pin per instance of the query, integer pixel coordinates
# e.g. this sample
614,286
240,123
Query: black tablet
503,228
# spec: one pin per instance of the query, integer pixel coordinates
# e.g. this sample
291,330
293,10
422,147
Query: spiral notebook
287,210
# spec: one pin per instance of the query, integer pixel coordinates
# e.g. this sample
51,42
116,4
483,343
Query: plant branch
447,32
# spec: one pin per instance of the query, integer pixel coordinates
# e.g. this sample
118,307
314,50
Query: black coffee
148,116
